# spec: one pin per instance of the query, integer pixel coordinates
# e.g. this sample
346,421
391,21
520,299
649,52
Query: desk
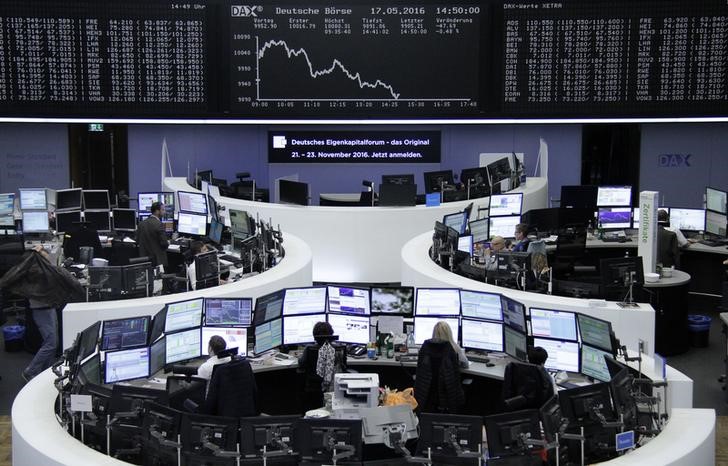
360,244
294,270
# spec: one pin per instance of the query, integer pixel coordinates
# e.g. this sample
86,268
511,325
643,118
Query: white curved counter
360,244
630,325
294,270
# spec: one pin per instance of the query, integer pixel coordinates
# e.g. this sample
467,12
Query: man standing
152,238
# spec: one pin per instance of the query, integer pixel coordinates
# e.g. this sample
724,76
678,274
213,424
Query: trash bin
699,328
14,335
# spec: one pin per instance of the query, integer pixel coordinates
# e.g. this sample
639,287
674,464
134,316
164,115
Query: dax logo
245,11
674,160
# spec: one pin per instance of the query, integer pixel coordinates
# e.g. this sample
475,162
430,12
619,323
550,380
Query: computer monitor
579,197
317,438
511,266
553,324
195,203
621,387
125,333
126,364
397,195
89,340
67,221
183,345
157,356
298,329
515,343
687,219
99,220
575,217
350,328
7,221
446,434
498,171
68,199
7,203
91,370
514,314
715,200
183,315
215,233
124,219
214,214
481,305
158,322
595,332
268,335
207,269
636,217
311,300
425,325
408,178
615,218
35,221
138,280
480,230
437,302
478,179
465,244
192,224
268,307
614,196
456,221
145,201
502,205
617,273
196,429
235,337
393,300
228,311
504,226
33,199
593,363
349,300
715,223
563,355
96,199
482,335
505,432
240,223
434,181
542,220
580,405
106,282
293,192
267,433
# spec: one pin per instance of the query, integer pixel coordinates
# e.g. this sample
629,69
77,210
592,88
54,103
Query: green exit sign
96,127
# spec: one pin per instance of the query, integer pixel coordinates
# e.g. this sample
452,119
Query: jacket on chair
437,385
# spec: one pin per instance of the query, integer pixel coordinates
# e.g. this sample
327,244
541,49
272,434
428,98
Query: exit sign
96,127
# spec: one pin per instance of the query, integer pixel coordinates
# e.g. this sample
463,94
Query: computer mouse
489,364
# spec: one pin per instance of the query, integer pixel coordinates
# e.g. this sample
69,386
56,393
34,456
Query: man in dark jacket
152,238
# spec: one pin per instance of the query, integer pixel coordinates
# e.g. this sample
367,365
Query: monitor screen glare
425,325
505,204
268,336
437,302
182,315
350,329
553,324
126,365
481,305
298,329
504,226
304,301
349,300
481,335
563,355
687,219
183,345
614,196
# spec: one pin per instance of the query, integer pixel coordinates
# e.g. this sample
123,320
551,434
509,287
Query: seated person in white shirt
496,244
217,345
197,247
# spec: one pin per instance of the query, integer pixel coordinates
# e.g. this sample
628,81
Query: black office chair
570,249
181,388
438,388
312,394
122,252
525,386
82,235
232,390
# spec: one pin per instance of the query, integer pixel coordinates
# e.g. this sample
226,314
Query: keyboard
408,358
230,258
477,358
615,239
712,243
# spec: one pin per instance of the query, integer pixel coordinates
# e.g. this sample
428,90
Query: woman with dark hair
319,363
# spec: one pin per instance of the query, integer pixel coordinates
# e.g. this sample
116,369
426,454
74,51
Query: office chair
570,248
84,235
122,252
311,392
525,386
181,388
232,390
437,381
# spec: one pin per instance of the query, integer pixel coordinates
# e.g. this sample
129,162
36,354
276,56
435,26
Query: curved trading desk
294,270
360,244
38,438
630,325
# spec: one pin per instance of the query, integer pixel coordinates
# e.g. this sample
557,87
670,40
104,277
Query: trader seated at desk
319,363
496,244
521,238
215,346
196,248
667,241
